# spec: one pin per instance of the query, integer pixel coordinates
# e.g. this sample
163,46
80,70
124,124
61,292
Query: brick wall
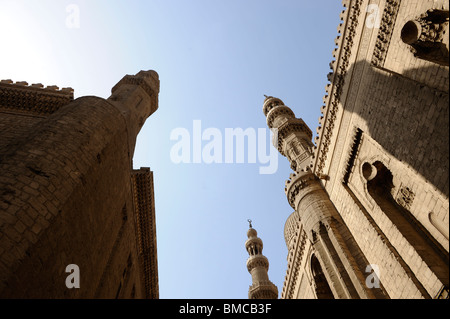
66,197
14,129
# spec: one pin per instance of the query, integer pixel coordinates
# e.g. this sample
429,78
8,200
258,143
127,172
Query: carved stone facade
370,198
35,99
69,194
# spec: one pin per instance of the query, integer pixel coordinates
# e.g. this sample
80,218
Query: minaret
292,137
258,266
306,194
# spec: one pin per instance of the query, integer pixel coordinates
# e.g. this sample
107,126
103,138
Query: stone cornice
147,80
296,183
344,43
279,110
271,102
257,261
254,241
263,290
33,99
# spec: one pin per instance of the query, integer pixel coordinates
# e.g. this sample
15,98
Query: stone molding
385,33
269,103
280,110
294,268
296,183
257,261
353,155
33,99
290,126
147,80
263,290
144,205
340,66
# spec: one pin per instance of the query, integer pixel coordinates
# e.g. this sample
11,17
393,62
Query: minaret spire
293,137
258,266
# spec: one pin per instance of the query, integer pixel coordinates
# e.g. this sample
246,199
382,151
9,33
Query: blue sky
215,60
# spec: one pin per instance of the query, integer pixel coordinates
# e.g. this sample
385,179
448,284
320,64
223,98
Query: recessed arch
323,290
380,188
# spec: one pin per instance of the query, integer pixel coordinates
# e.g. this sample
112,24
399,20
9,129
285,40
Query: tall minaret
258,266
293,136
333,244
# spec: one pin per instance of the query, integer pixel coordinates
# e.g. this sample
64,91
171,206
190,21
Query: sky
216,60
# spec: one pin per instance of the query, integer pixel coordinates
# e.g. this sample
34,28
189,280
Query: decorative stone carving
147,80
353,154
19,97
296,183
426,36
329,111
405,197
270,103
385,33
143,191
259,261
281,110
294,269
291,227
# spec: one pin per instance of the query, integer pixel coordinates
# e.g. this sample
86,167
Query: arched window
323,290
380,187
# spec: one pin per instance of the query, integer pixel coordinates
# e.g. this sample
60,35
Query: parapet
33,99
148,80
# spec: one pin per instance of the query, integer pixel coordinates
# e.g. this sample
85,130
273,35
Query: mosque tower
338,255
258,266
